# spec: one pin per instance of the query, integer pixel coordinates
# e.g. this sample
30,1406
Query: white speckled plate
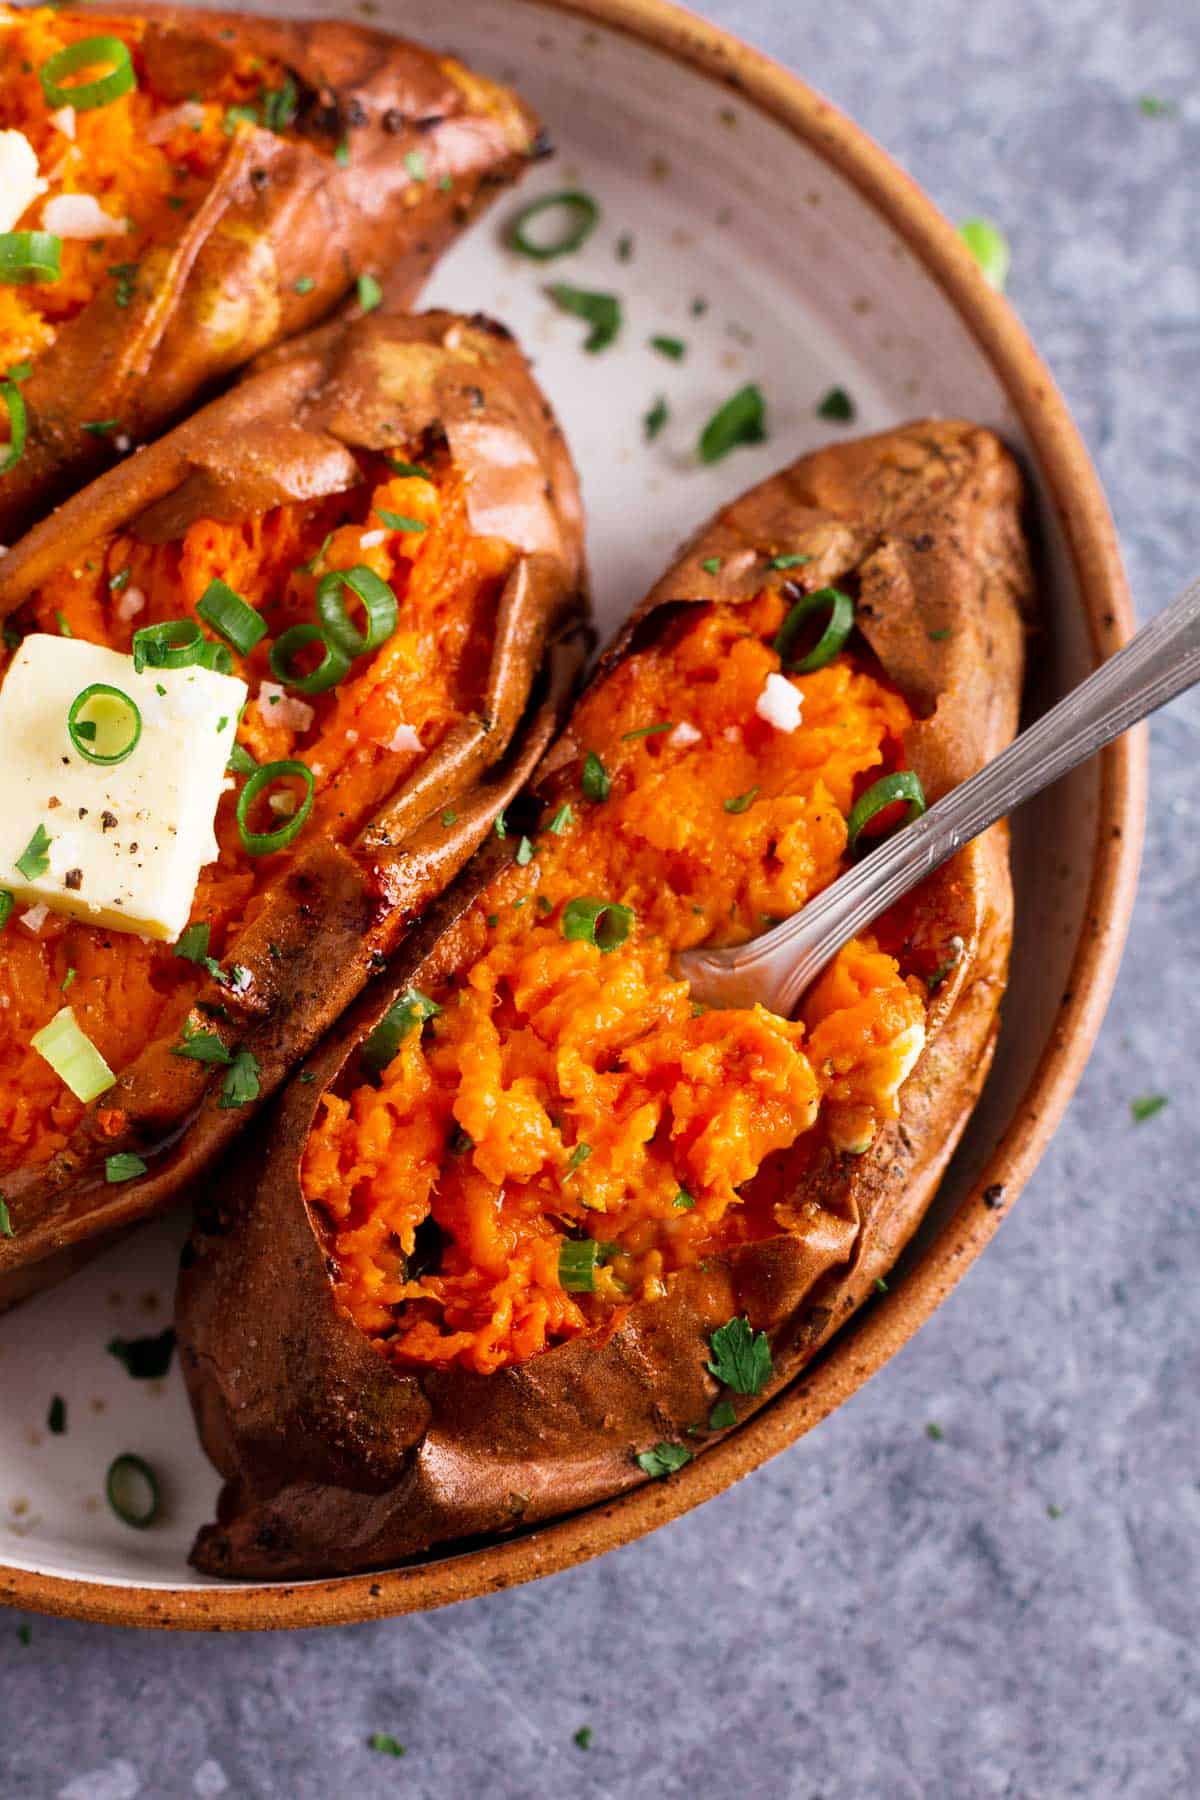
785,250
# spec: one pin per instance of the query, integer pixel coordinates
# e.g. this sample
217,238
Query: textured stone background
876,1613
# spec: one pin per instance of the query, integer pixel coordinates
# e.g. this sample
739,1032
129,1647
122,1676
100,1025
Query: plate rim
1091,542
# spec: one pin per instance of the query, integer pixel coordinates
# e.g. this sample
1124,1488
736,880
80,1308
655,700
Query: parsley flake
838,406
601,311
741,1357
664,1459
1146,1105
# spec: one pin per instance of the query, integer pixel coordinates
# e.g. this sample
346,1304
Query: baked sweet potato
226,199
550,1240
421,450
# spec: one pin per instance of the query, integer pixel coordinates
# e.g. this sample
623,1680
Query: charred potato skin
336,1462
287,432
282,211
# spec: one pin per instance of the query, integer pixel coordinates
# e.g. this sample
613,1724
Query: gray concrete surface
1011,1610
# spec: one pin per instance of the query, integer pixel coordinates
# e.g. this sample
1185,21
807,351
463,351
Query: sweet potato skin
282,211
336,1461
286,432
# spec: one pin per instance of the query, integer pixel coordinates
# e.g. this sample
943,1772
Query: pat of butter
127,842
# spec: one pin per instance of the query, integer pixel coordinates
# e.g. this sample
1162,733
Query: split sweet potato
421,449
573,1231
254,171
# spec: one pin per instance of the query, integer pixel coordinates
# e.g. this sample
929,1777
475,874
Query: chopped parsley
499,825
280,105
625,247
449,817
934,1431
655,419
683,1201
741,803
401,521
596,781
1152,106
102,427
303,284
582,1739
644,731
68,980
1146,1105
671,347
789,561
201,1046
561,820
6,1229
415,163
601,311
741,1357
579,1156
56,1417
722,1415
524,853
742,420
144,1358
34,860
125,277
990,248
838,406
664,1459
398,466
341,155
711,565
241,1084
123,1165
385,1743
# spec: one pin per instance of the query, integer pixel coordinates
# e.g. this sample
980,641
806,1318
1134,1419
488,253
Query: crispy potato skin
335,1461
281,210
286,432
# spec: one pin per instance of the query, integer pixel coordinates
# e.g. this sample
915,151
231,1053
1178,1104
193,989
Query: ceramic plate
743,216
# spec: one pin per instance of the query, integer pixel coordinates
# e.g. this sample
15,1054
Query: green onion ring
215,656
175,644
83,741
7,902
577,1259
14,400
264,843
229,615
831,640
127,1477
407,1013
587,217
331,669
605,923
905,784
28,256
88,53
378,601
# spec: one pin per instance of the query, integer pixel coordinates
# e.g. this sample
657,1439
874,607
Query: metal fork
1160,662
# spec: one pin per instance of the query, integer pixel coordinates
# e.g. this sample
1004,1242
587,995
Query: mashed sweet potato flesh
565,1091
146,160
361,739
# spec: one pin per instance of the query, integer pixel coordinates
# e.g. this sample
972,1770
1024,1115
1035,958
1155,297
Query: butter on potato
126,841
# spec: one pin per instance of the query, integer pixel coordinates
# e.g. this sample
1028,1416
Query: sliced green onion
406,1014
104,724
742,420
34,859
73,1057
264,843
379,603
577,1260
7,902
990,248
175,644
131,1487
213,655
596,782
644,731
29,256
6,1226
582,218
840,608
18,425
398,466
602,312
579,1156
87,53
332,668
240,761
370,294
123,1165
229,614
905,784
604,923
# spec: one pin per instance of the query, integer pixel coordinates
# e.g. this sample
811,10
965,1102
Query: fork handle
1159,663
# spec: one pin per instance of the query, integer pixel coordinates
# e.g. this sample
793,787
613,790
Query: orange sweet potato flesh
413,752
262,165
346,1446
